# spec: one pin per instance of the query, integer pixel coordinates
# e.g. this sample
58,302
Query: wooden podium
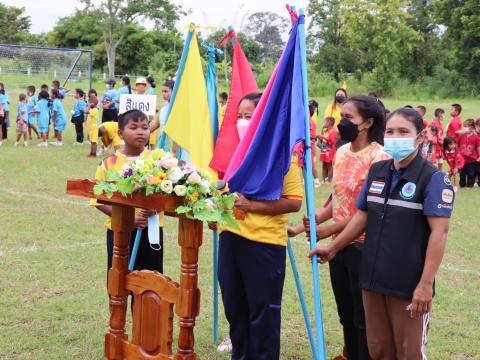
155,295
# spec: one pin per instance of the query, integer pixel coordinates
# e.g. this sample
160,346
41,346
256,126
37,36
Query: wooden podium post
155,295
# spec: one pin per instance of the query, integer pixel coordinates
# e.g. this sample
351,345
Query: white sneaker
1,142
25,144
53,143
455,188
316,183
59,143
43,144
86,142
225,346
16,144
100,151
77,143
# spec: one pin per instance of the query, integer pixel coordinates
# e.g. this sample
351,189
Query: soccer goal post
22,65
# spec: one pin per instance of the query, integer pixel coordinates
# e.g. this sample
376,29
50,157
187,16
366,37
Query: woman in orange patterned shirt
362,126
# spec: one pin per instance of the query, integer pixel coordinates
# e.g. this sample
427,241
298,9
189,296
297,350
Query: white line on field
460,270
35,248
44,197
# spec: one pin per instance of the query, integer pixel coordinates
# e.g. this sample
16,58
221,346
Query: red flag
242,83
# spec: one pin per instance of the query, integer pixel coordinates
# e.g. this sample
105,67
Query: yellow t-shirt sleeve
328,111
100,175
292,183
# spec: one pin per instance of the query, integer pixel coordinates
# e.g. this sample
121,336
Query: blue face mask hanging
399,148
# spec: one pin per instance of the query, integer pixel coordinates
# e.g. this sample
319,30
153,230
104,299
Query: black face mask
340,99
348,130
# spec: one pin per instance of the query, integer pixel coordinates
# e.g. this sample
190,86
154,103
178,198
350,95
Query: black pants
251,276
4,129
147,258
109,115
344,270
78,121
467,175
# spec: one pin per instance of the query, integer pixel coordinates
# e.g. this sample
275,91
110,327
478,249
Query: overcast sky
220,13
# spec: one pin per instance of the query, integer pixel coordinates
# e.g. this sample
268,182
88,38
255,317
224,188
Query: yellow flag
189,122
344,86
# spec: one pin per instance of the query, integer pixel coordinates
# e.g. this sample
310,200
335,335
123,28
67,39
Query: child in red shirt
438,141
454,160
469,145
327,147
454,128
422,110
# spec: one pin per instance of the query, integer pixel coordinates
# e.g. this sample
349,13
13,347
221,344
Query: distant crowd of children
45,113
458,145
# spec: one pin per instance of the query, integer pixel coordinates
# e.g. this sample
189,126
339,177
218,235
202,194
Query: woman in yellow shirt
334,109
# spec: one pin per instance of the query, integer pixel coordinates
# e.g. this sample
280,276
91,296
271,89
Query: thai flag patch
377,187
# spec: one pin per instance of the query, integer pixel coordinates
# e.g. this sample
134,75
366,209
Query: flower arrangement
158,172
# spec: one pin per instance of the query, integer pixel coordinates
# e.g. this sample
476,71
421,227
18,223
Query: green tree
328,48
267,28
379,33
115,17
425,51
461,19
14,24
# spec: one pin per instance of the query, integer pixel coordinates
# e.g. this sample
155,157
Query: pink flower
169,163
188,169
150,180
194,178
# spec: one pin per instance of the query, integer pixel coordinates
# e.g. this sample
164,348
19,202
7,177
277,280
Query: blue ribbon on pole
301,296
310,198
136,244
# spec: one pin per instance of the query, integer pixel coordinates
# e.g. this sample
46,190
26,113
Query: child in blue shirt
78,114
43,116
6,110
109,102
32,102
22,120
59,117
61,90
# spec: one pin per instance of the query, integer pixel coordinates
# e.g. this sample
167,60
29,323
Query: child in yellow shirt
92,126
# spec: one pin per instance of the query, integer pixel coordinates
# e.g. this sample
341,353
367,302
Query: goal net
21,66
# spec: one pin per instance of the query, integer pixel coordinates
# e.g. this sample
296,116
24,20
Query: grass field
54,302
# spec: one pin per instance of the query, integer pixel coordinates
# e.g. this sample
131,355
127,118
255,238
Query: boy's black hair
31,88
56,94
81,93
43,86
56,82
447,141
92,91
329,119
22,97
111,82
169,83
423,108
477,122
373,94
254,97
129,115
43,95
410,115
224,95
408,106
369,107
469,123
458,108
314,104
151,81
439,111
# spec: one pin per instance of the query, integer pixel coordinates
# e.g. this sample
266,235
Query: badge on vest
408,190
376,187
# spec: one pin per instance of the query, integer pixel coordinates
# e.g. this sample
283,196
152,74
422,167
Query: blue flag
211,82
282,125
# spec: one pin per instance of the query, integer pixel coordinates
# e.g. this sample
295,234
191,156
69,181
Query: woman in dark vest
404,208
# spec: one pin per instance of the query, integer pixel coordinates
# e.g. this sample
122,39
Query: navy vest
397,231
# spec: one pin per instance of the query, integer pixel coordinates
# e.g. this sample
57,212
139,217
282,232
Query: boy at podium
133,128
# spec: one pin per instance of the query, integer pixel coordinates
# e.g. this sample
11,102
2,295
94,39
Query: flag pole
298,283
310,198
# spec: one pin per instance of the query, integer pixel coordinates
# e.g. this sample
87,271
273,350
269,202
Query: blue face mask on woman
399,148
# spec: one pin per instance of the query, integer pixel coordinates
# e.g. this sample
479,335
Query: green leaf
183,209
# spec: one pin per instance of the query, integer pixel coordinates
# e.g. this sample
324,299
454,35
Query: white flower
180,190
166,186
204,186
175,174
